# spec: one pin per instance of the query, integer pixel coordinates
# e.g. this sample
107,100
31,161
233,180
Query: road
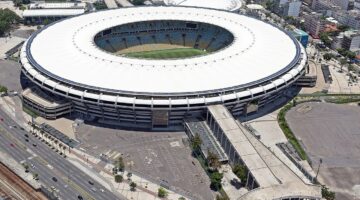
44,161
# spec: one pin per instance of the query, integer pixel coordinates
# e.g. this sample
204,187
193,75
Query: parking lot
159,156
331,132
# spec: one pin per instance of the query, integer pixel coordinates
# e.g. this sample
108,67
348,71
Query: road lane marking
84,194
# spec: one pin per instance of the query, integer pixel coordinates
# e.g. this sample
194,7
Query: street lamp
318,169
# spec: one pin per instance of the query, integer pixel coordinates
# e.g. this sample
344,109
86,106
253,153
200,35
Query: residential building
351,40
323,5
349,18
343,4
314,24
287,7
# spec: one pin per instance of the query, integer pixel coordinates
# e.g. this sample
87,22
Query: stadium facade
249,64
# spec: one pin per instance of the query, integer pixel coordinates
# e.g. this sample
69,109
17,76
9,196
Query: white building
40,13
67,5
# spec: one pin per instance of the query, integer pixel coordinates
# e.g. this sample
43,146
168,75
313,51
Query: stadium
154,66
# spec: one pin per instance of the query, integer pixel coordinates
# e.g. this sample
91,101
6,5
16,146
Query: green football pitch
167,53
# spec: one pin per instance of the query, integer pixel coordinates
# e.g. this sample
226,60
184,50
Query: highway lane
19,153
71,181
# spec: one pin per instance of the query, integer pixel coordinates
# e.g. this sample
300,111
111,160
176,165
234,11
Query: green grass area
167,53
288,133
30,112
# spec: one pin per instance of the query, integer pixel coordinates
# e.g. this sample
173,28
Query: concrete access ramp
268,177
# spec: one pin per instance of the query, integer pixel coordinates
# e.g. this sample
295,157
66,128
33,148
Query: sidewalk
144,190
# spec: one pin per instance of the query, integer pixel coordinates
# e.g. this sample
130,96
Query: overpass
268,177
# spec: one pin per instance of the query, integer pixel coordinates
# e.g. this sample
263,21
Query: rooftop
52,12
65,5
230,5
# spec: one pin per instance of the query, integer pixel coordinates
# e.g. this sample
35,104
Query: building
343,4
314,24
349,18
161,93
287,7
292,8
324,5
66,5
40,13
49,107
229,5
337,41
351,40
255,10
301,36
41,16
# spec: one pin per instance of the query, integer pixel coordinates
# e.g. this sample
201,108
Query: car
27,140
26,135
91,183
12,145
34,144
80,197
54,179
93,189
1,119
22,128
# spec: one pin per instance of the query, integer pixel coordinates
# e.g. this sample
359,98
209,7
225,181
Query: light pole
318,169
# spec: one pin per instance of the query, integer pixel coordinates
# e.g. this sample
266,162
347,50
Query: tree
324,37
36,176
343,28
215,179
26,167
328,56
213,160
196,143
162,193
138,2
181,198
7,18
129,174
220,197
3,89
241,172
326,193
341,51
133,186
119,164
351,55
343,62
118,178
18,3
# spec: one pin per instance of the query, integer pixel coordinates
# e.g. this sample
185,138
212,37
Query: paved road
71,181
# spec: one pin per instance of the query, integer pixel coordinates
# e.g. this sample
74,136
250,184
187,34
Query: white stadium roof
67,50
230,5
